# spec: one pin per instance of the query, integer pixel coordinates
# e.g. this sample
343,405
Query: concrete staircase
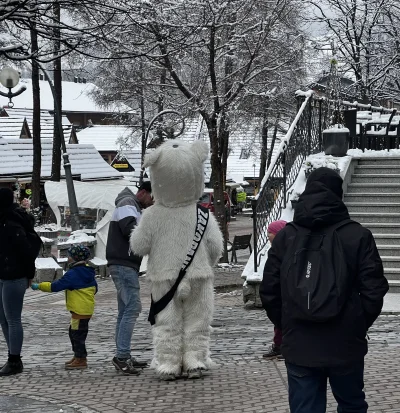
373,199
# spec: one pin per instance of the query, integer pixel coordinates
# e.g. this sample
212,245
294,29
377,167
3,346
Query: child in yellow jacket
80,288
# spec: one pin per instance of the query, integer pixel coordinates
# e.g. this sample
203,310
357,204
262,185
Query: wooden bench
240,242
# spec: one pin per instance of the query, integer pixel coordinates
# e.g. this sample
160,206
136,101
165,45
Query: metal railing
303,138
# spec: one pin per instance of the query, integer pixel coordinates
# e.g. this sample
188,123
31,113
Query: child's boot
69,361
77,364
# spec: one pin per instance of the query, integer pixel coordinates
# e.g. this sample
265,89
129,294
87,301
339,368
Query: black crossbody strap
201,225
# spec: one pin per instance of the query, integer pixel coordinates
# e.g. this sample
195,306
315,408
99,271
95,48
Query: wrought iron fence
302,139
305,138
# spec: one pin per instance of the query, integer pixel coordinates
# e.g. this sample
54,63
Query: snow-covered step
391,262
394,286
372,187
372,198
377,169
382,228
387,239
378,217
372,207
373,178
379,161
392,273
388,250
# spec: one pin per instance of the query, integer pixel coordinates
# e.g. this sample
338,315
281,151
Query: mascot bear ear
200,148
151,158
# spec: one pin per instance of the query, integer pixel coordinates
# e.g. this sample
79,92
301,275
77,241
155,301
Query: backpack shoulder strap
341,224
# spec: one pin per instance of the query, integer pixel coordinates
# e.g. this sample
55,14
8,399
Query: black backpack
315,278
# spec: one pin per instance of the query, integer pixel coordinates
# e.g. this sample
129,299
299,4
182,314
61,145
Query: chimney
75,79
84,80
41,77
79,80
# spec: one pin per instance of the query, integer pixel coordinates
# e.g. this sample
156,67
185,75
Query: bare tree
365,35
213,52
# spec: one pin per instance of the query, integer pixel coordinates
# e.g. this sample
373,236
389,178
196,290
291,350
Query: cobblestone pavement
240,382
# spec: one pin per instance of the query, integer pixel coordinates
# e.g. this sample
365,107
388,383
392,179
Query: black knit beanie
6,198
328,177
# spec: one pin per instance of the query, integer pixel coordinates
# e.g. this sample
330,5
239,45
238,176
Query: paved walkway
240,382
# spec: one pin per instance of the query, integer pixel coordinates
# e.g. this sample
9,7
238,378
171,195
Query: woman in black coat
19,247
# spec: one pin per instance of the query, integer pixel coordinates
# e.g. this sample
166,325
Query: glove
35,286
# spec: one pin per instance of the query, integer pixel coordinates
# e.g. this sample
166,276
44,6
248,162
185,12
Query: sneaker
11,368
137,363
273,353
77,364
125,366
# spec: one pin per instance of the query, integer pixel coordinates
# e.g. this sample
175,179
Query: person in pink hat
275,350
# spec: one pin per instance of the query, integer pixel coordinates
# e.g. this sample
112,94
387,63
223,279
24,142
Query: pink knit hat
276,226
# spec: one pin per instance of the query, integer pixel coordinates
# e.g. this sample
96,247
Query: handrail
302,139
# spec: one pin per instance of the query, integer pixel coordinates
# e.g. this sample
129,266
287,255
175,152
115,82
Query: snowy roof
45,115
11,128
10,163
85,160
194,129
245,145
75,98
110,137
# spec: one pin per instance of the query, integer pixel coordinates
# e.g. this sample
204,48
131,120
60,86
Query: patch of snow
98,261
358,153
44,239
78,237
42,263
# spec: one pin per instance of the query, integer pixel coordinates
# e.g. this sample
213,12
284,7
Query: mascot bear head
177,172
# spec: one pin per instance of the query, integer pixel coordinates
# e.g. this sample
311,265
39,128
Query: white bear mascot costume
165,233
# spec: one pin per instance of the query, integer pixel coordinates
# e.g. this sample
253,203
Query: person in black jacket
124,269
17,268
333,349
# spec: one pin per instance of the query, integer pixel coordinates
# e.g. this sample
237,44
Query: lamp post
9,78
73,205
254,169
167,133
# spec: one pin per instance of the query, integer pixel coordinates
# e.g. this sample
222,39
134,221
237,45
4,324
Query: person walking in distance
275,350
19,247
124,269
324,285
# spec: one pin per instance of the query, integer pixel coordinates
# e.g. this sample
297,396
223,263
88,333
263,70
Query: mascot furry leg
181,335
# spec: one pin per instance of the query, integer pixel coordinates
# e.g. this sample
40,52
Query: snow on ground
358,153
78,237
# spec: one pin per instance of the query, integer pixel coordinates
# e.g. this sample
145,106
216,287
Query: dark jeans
11,301
307,388
78,331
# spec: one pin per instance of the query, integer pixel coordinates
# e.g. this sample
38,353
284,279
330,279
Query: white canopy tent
98,196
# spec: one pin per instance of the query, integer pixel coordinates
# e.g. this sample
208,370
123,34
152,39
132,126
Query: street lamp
254,168
73,205
9,78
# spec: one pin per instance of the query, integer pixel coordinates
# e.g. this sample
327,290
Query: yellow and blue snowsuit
80,288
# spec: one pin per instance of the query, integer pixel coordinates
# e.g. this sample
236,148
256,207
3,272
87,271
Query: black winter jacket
342,340
17,253
124,219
